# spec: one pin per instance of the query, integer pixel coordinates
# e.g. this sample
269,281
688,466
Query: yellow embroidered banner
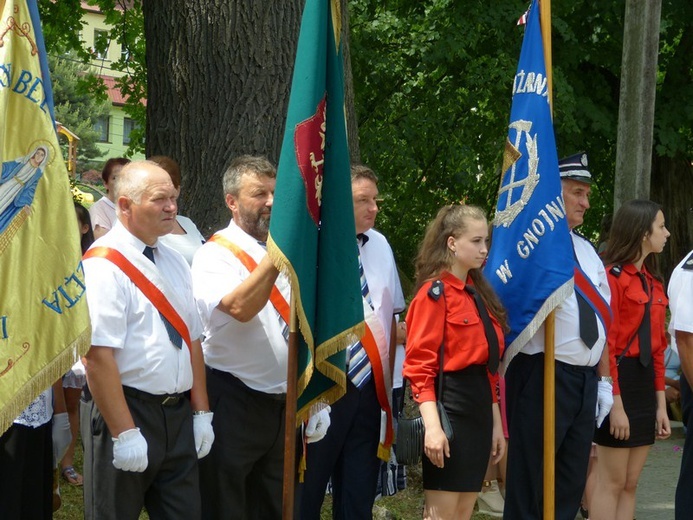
44,324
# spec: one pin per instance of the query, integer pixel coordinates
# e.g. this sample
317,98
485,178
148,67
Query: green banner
312,233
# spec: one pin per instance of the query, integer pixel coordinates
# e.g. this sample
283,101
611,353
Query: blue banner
530,264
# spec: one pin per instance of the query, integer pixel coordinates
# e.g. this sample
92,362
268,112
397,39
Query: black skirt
639,402
467,399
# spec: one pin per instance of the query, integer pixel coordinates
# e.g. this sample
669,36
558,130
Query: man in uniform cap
582,382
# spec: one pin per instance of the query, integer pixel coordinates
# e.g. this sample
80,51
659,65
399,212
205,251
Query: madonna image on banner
18,183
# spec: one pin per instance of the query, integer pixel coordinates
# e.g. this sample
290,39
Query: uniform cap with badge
574,168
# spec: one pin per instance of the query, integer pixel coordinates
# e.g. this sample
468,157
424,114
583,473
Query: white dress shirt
570,348
255,351
124,319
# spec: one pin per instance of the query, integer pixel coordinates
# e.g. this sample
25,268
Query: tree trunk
672,185
637,100
219,79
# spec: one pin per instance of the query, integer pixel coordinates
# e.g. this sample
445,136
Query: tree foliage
432,81
79,99
433,84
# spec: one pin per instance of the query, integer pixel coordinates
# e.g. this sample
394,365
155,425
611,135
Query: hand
130,451
605,400
436,446
672,394
203,433
619,424
497,445
663,428
62,436
317,425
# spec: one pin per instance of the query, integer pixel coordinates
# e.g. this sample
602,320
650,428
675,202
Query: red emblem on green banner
309,142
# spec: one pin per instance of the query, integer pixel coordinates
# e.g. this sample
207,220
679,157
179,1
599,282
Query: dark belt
233,380
161,399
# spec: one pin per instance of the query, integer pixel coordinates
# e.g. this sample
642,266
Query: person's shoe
490,500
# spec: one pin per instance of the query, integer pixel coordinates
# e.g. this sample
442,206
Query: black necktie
173,335
589,333
491,337
645,329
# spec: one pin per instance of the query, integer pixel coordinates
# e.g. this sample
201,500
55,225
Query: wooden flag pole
550,323
289,483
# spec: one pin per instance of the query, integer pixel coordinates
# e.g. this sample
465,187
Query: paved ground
655,499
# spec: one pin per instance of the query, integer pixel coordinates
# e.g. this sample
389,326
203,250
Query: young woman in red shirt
636,342
455,312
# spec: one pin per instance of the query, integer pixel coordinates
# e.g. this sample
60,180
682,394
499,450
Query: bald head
145,200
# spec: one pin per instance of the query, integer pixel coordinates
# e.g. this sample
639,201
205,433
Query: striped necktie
360,371
173,334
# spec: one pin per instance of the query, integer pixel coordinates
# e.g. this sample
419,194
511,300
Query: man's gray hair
130,181
255,165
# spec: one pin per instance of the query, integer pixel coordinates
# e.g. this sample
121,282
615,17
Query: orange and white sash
148,280
276,297
377,348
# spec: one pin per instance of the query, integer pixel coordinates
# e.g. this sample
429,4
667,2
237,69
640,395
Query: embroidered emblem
436,290
309,145
507,194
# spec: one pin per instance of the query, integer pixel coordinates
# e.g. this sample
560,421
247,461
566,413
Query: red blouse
465,340
628,300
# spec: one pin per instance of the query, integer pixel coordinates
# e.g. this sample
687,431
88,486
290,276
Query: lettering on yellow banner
3,327
69,293
25,84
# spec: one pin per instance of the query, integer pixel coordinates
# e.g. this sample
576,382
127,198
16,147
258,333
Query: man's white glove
317,425
62,436
130,451
605,400
203,433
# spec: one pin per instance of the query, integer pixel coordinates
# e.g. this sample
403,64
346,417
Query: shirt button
465,320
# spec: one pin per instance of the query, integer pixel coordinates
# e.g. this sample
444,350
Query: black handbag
410,431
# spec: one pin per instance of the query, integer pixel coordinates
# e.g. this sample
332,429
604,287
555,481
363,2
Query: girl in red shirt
445,312
636,342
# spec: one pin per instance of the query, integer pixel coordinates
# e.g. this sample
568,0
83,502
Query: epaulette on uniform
577,233
436,290
688,264
616,270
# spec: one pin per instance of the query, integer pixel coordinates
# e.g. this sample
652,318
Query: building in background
115,128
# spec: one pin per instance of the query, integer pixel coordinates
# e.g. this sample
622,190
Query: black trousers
684,496
576,400
26,473
168,488
242,477
348,454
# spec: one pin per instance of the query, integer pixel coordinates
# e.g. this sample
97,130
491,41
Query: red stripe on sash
584,285
250,264
371,347
151,291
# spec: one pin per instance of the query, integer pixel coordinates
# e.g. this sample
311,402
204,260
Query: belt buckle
169,400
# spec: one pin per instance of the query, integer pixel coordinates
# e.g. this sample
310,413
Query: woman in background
185,237
75,379
455,307
636,342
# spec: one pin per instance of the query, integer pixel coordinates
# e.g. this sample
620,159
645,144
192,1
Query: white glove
203,433
605,400
62,436
317,425
130,451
